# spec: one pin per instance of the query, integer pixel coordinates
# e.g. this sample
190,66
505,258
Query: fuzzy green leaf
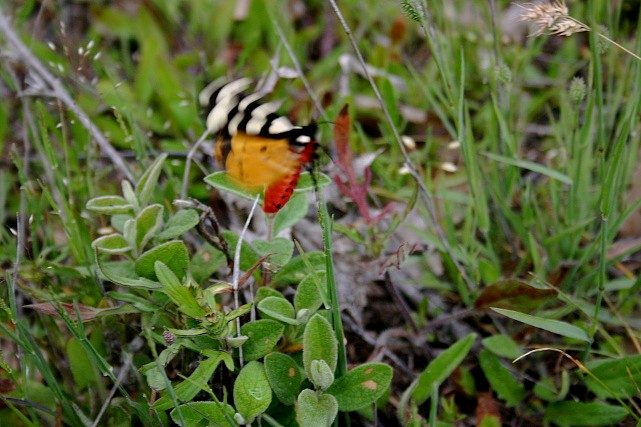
294,210
148,221
284,376
173,254
112,244
222,181
321,375
281,250
314,410
308,294
262,336
179,223
179,294
109,205
295,270
361,386
319,343
206,262
277,308
122,273
252,394
149,180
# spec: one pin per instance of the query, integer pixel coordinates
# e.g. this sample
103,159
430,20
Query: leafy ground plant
161,275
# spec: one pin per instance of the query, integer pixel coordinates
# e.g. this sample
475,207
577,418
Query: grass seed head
551,17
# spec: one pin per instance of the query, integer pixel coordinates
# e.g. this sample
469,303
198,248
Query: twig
58,91
425,196
236,273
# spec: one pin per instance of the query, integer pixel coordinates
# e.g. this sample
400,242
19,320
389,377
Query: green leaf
140,303
361,386
277,308
262,336
173,254
293,211
295,271
314,410
503,345
501,379
122,273
155,378
281,250
546,388
265,292
307,182
441,367
81,365
112,244
248,256
131,235
571,413
197,381
308,295
179,223
284,376
322,375
179,294
252,394
622,376
554,326
148,221
118,221
149,180
206,262
202,414
109,205
222,181
129,194
319,343
534,167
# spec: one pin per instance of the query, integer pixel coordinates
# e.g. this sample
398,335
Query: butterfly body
259,148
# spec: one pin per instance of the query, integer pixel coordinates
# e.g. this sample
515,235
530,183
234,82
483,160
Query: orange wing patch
256,161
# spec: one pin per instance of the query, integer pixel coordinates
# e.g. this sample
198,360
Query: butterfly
259,148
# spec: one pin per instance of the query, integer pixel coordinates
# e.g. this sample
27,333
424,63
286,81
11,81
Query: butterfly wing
259,148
